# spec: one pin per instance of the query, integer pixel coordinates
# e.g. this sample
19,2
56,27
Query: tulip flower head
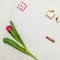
8,28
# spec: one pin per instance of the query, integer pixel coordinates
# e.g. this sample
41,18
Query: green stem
30,54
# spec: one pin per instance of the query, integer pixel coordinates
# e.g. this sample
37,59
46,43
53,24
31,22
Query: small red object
8,28
22,6
47,37
50,39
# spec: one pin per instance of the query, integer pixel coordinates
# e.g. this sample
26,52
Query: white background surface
33,26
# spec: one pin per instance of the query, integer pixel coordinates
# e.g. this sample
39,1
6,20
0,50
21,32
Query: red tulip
8,28
19,44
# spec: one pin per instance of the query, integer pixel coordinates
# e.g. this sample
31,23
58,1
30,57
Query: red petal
8,28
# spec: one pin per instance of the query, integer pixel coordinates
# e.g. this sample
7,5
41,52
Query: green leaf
15,33
13,44
16,46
